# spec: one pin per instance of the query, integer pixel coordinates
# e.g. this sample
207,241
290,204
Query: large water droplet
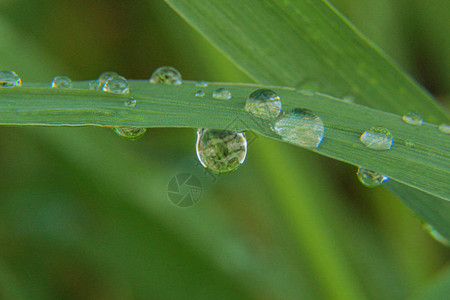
263,103
435,234
221,151
9,79
221,94
116,84
413,119
61,82
130,133
200,94
377,138
166,75
201,83
301,127
444,128
370,178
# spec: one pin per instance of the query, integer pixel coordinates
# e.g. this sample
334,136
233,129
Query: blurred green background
85,214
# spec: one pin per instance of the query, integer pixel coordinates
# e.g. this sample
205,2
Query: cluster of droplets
222,151
112,82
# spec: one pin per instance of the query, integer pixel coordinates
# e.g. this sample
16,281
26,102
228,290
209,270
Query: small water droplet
166,75
444,128
263,103
221,151
301,127
221,94
435,234
9,79
413,119
307,93
349,99
130,102
370,178
409,143
377,138
116,84
201,83
200,94
95,85
130,133
61,82
105,76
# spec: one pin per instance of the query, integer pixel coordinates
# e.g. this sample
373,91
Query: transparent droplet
349,99
130,102
95,85
9,79
377,138
370,178
221,94
61,82
413,119
435,234
130,133
263,103
166,75
444,128
105,76
200,94
116,84
409,143
221,151
301,127
307,93
201,83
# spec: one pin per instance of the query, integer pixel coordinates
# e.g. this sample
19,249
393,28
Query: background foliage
84,214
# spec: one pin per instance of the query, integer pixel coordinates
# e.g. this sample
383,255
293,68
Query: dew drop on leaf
201,83
377,138
370,178
221,94
301,127
349,99
95,85
444,128
61,82
116,84
130,133
105,76
9,79
221,151
413,119
435,234
130,102
200,94
263,103
166,75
